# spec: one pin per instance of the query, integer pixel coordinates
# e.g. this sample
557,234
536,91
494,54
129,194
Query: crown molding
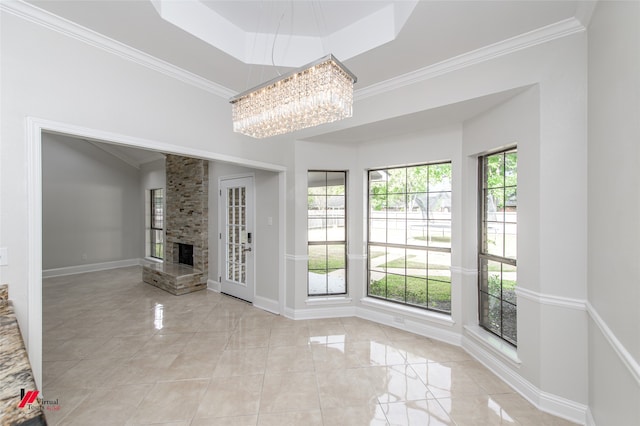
532,38
68,28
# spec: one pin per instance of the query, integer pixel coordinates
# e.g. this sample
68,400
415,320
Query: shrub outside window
497,258
409,242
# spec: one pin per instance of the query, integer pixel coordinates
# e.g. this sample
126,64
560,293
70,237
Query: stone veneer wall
187,210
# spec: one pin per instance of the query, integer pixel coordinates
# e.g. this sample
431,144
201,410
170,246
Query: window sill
408,311
495,344
328,300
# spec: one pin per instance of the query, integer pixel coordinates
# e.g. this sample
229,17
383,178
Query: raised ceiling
289,33
423,34
434,31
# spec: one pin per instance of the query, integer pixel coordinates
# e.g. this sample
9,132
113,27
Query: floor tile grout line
247,319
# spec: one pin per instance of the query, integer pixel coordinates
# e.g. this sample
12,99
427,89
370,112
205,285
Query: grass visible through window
413,290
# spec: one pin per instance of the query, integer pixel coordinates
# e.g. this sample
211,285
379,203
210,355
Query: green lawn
434,293
319,260
412,264
438,238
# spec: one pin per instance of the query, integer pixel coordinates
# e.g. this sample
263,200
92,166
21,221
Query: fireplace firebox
185,254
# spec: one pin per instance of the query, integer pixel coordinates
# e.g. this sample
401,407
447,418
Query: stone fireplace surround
186,222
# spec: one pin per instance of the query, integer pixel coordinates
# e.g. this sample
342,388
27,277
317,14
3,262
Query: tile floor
121,352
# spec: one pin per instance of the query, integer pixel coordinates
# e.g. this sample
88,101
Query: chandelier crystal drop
320,92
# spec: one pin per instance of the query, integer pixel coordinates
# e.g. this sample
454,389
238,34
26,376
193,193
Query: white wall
552,337
515,122
90,204
48,75
317,156
266,249
614,210
59,78
548,123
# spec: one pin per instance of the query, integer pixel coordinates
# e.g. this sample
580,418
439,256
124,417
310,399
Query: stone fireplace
186,249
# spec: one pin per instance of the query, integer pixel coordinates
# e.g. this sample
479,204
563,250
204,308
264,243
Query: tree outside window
498,244
409,243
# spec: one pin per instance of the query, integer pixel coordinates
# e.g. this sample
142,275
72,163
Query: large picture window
156,236
326,230
409,242
498,243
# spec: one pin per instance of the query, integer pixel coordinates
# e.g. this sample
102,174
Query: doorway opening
35,129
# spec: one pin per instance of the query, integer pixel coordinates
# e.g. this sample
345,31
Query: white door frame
221,224
34,127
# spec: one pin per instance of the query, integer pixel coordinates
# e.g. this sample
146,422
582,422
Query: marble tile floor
118,351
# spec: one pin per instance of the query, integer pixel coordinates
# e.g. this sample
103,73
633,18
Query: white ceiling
310,17
433,32
412,123
289,33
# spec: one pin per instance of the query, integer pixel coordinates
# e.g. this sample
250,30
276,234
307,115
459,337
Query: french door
236,237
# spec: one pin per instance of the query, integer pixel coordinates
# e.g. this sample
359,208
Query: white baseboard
265,304
590,421
408,324
213,285
563,407
92,267
544,401
320,313
375,315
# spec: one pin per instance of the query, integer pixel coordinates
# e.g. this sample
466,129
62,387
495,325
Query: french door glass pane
236,229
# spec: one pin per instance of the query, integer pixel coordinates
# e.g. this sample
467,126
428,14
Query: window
326,230
156,236
498,243
409,244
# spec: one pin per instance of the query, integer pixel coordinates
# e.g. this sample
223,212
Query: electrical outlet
4,257
84,256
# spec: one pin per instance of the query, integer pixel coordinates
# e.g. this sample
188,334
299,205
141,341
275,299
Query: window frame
153,228
428,249
485,256
327,242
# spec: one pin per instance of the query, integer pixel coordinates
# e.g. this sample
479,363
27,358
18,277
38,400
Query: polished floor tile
231,396
291,391
117,351
170,402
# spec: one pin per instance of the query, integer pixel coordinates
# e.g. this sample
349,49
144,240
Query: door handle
244,250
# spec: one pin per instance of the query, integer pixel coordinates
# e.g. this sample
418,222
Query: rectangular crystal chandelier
317,93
